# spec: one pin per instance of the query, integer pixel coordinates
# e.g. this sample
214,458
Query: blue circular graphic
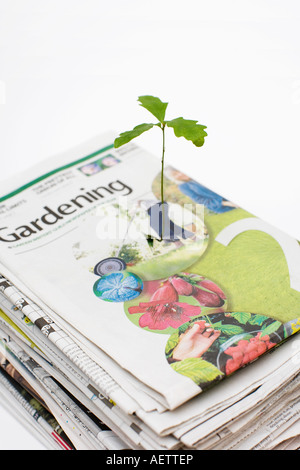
118,287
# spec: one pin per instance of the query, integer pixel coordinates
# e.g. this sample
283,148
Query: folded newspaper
119,338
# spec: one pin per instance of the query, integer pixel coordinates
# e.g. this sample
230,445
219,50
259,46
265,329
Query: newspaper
100,324
136,327
75,414
289,440
130,428
45,423
14,408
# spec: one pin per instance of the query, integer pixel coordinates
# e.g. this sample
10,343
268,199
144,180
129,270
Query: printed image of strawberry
243,344
247,351
261,347
231,350
236,354
265,338
231,366
238,357
252,347
245,359
253,355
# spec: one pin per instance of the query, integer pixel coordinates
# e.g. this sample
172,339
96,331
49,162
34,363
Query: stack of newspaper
115,337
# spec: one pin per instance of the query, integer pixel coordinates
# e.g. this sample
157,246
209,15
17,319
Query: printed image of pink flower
159,315
166,304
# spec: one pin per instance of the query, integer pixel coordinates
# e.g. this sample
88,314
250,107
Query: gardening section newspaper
120,310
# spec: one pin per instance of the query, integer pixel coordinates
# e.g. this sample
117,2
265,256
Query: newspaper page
138,437
43,372
91,433
194,436
17,410
288,440
251,428
80,240
223,403
131,428
35,411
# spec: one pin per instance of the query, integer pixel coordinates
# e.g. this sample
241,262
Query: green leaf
271,328
127,136
241,317
230,330
199,370
182,329
172,343
154,105
191,279
258,319
188,129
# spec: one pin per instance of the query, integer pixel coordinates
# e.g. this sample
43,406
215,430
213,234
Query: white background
72,69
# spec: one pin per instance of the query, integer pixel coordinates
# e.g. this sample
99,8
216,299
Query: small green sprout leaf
154,105
188,129
127,136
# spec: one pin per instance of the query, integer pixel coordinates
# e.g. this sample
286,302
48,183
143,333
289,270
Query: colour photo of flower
157,315
166,304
